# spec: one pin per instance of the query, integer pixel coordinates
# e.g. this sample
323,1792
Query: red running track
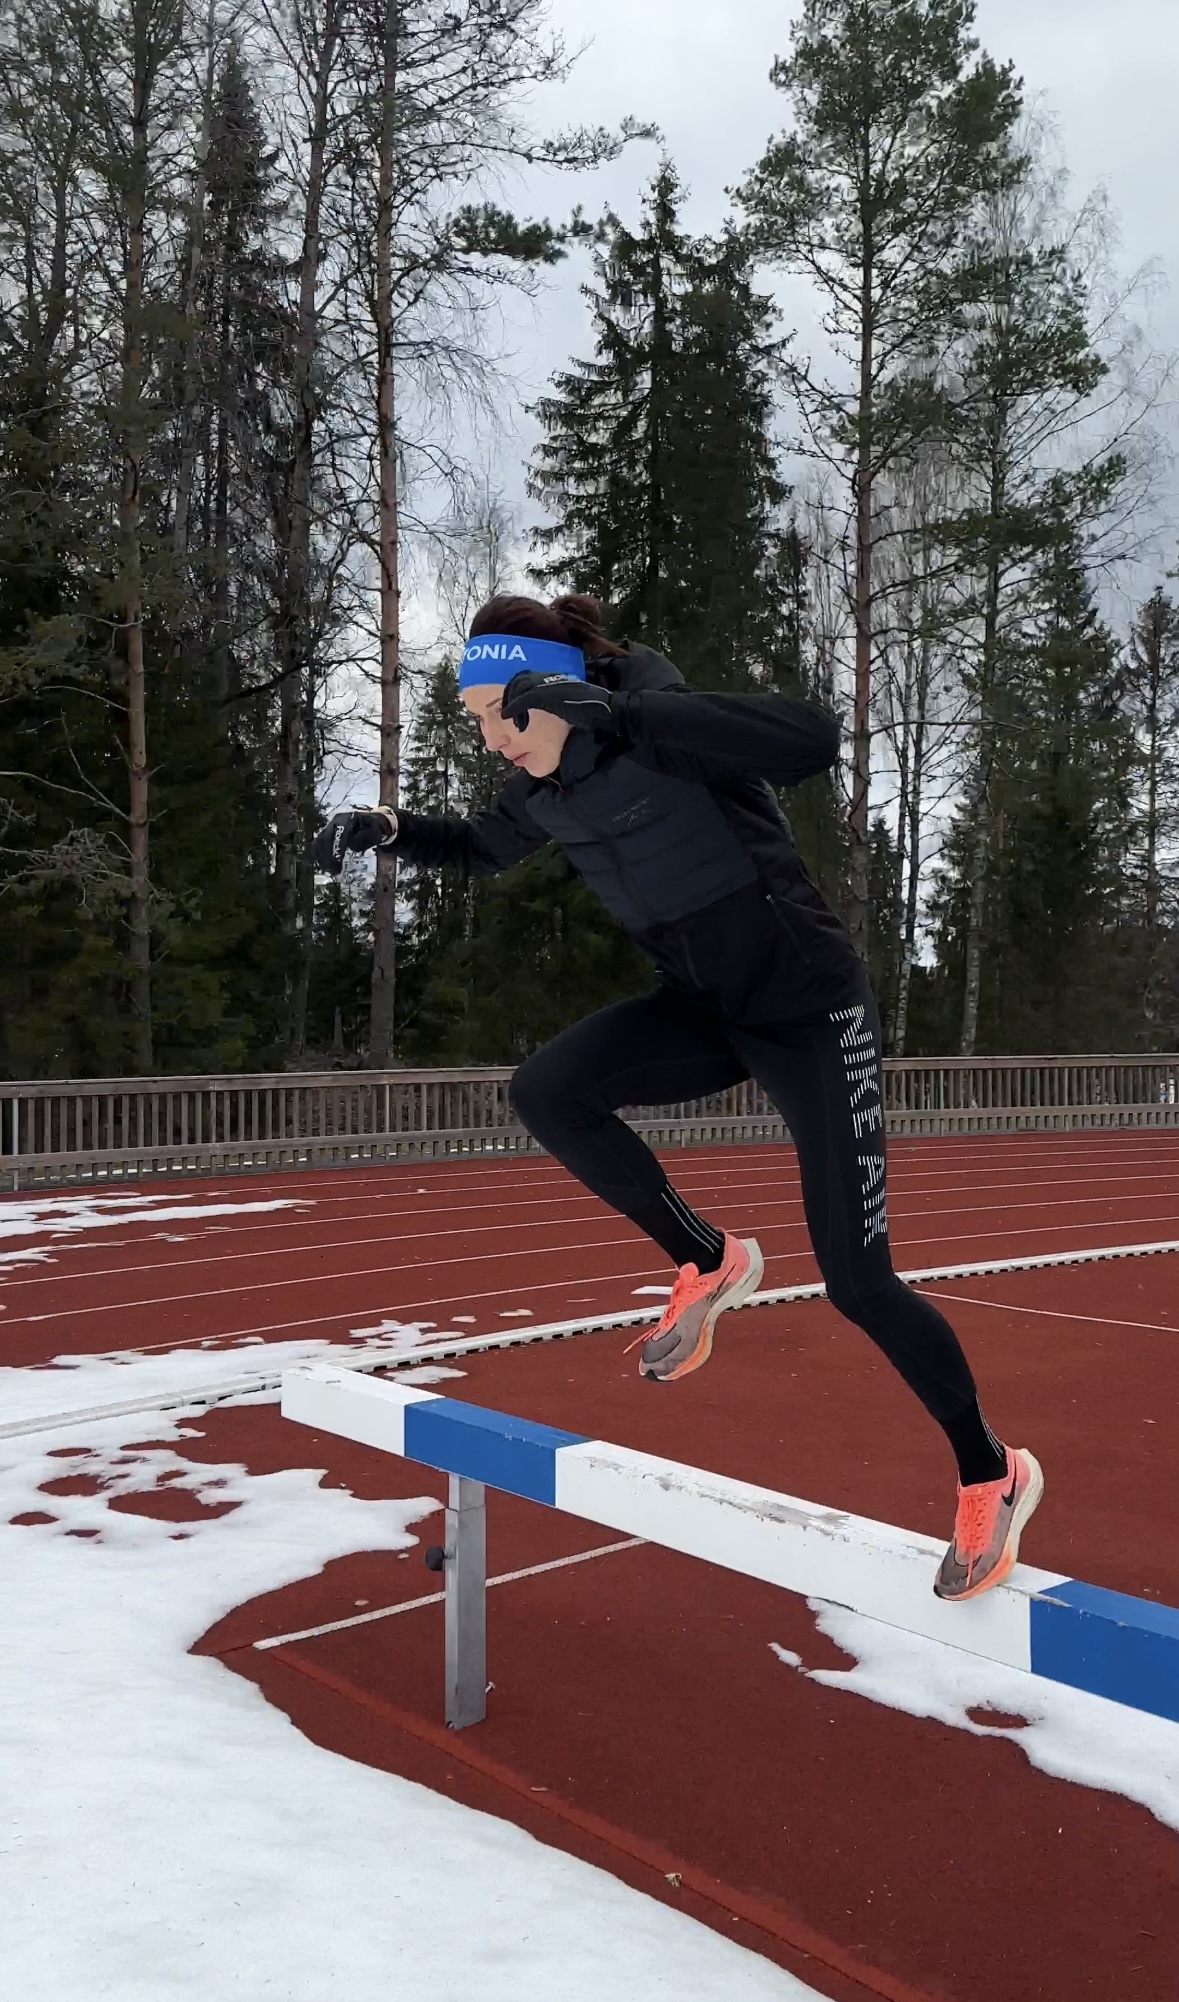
640,1716
468,1247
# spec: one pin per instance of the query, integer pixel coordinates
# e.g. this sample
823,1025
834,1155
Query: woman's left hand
579,703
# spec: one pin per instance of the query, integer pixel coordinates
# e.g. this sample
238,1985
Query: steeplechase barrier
1108,1643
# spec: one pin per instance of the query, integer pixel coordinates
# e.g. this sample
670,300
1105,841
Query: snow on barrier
1113,1645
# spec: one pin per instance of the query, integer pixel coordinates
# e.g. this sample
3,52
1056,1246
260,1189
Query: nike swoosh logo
1009,1498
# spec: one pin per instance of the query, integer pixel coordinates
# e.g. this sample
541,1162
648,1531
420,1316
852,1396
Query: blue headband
494,658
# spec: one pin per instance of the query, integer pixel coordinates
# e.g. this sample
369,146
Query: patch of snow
80,1382
1068,1733
168,1836
398,1336
65,1216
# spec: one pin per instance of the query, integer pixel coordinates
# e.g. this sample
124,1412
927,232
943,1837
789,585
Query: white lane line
343,1316
323,1244
721,1180
720,1160
307,1279
266,1387
437,1598
1055,1313
405,1308
691,1173
448,1173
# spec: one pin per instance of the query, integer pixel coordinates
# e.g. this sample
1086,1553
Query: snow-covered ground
1065,1732
167,1836
71,1216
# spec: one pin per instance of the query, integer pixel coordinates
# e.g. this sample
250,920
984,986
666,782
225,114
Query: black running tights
824,1076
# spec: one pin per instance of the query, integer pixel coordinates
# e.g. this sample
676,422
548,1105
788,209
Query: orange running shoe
990,1521
683,1339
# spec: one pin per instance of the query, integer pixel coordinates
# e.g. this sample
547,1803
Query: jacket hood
640,667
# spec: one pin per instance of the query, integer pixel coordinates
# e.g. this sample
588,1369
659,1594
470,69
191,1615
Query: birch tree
1152,688
1049,391
920,703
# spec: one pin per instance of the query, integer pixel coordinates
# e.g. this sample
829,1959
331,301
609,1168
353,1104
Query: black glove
579,703
351,833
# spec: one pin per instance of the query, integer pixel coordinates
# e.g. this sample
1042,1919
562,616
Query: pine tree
658,465
63,988
447,771
899,126
660,471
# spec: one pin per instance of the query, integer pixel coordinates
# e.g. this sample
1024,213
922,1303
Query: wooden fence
110,1129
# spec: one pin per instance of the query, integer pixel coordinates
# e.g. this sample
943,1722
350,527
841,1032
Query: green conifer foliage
899,125
659,466
660,470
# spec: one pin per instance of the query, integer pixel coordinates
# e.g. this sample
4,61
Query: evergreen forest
250,256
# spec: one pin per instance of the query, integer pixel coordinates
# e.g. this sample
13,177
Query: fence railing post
58,1130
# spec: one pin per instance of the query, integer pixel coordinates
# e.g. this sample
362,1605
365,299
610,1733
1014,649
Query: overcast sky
1106,72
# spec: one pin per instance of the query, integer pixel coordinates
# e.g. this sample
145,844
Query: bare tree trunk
903,860
187,426
656,553
131,397
1153,996
292,621
304,939
980,850
224,680
385,888
859,915
980,847
913,844
47,310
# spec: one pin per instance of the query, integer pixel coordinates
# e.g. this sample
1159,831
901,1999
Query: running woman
663,800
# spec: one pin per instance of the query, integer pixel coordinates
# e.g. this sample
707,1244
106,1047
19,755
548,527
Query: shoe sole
1021,1515
733,1296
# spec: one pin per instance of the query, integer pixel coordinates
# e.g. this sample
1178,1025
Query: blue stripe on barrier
508,1453
1109,1643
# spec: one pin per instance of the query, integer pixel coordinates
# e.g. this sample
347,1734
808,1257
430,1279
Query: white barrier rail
1106,1642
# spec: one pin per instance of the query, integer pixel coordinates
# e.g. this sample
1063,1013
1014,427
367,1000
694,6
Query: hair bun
581,617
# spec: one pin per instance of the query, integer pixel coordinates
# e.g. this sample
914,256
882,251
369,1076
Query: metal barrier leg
466,1603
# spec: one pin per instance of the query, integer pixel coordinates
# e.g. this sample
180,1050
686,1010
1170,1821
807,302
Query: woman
663,800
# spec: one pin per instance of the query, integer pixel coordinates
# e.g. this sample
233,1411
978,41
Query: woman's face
536,749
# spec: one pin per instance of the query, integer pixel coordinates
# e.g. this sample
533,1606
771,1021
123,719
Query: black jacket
673,821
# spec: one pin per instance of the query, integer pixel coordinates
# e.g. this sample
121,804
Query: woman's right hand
361,827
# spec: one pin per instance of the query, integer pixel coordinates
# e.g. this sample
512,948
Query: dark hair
572,620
